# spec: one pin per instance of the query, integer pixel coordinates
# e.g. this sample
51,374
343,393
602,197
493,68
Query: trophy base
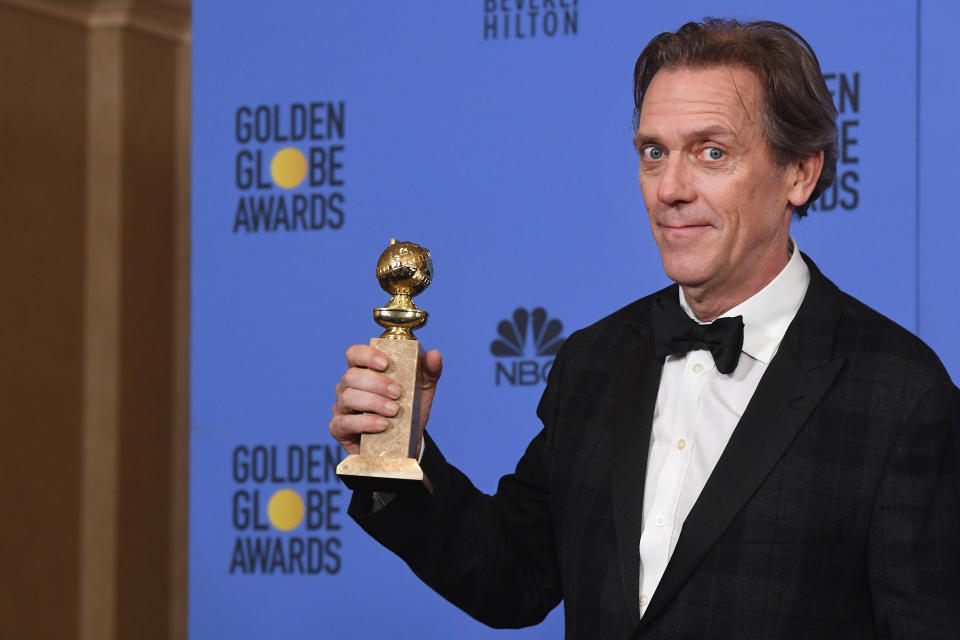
375,473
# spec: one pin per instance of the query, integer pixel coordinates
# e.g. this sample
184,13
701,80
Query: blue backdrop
496,133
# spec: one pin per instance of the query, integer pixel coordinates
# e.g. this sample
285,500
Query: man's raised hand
365,397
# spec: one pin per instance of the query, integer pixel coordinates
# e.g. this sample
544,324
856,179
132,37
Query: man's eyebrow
642,138
714,132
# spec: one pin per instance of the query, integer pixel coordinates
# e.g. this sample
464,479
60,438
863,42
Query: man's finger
350,426
362,355
431,367
352,400
371,381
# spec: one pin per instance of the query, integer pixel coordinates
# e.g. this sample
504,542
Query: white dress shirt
697,410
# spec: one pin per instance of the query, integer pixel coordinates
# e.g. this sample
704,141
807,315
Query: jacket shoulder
623,324
872,342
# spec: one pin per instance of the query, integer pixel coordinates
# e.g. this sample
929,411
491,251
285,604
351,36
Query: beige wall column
180,459
101,334
94,266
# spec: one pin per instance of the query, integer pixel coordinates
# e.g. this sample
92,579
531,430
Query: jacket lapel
793,385
636,393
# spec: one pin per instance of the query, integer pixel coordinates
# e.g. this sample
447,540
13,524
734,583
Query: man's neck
708,308
708,304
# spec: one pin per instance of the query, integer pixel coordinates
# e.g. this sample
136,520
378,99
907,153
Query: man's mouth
683,230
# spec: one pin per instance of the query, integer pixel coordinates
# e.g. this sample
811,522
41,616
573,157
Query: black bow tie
674,332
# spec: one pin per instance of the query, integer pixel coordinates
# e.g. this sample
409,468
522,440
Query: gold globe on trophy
387,460
403,270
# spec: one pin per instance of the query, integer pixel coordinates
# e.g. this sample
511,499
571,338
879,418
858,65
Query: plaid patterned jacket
834,511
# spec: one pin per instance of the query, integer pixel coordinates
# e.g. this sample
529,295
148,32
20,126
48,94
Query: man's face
717,201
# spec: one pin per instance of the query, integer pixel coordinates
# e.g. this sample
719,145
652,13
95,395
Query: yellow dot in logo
285,509
288,167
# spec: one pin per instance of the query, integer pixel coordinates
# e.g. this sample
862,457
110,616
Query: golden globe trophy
387,460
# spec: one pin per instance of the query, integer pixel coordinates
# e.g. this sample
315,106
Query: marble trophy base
387,460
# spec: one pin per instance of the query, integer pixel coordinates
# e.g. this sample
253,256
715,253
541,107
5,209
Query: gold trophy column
387,460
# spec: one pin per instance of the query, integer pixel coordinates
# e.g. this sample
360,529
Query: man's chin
685,265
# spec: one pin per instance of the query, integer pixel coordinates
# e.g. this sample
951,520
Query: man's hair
798,115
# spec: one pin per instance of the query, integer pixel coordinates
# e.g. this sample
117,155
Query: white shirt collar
768,313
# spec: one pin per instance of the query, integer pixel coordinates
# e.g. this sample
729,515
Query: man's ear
804,173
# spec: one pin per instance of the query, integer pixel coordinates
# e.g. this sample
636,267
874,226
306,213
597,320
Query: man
752,454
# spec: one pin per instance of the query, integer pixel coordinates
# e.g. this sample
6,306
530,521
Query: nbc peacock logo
525,346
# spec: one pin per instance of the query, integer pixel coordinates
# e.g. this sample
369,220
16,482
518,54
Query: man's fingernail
394,390
381,362
383,423
390,407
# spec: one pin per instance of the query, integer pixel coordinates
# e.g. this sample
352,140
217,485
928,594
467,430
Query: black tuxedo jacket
833,512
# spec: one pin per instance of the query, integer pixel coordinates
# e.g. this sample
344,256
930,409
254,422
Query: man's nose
675,185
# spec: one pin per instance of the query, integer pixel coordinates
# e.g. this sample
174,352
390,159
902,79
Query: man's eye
714,154
653,153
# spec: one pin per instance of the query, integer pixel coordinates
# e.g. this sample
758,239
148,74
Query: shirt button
697,368
681,444
660,521
644,600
